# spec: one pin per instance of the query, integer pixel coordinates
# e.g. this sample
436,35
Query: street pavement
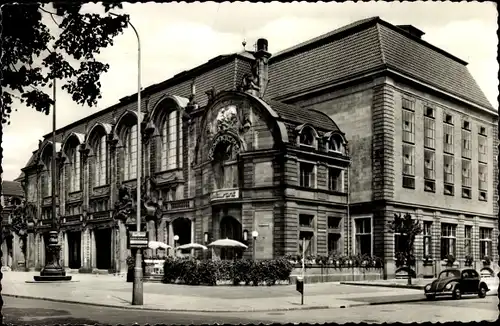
113,291
39,312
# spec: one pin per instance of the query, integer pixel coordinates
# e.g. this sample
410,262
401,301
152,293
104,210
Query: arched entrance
182,228
230,228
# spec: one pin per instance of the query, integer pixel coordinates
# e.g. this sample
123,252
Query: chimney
412,30
262,58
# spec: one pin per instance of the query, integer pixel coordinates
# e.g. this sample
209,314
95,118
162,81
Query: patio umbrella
158,244
189,246
227,243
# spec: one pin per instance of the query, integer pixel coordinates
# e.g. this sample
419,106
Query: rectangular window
485,242
468,240
448,169
466,144
429,163
408,126
429,112
334,223
427,238
335,179
447,118
307,177
466,125
482,149
399,243
429,132
306,220
363,236
334,243
408,160
448,138
482,177
482,130
306,238
466,174
448,240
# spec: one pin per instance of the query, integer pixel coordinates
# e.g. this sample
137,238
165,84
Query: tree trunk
1,231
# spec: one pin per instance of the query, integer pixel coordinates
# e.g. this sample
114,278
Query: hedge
337,261
208,272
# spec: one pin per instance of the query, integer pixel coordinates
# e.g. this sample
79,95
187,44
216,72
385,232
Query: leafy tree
33,55
407,229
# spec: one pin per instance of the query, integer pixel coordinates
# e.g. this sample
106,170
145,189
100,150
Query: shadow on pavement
41,316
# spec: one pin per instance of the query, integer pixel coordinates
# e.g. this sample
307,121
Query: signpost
300,279
139,239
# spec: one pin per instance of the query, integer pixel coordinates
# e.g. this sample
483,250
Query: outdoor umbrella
158,244
189,246
227,243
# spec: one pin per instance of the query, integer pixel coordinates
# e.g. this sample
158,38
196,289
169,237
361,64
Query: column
66,250
92,250
30,252
151,237
193,221
122,239
36,251
83,251
171,237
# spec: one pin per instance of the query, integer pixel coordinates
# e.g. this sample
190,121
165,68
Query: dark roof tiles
12,188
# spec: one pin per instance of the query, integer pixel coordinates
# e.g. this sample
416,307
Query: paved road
38,312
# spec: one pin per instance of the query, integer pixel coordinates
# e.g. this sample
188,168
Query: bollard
299,286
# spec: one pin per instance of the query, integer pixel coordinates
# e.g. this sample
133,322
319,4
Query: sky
179,36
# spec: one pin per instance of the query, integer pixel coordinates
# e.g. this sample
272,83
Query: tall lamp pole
52,271
137,290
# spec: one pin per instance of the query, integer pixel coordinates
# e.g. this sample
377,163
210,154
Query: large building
324,141
13,246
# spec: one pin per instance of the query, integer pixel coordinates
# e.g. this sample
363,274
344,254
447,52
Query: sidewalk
113,291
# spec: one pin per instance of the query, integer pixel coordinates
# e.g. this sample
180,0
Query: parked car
455,282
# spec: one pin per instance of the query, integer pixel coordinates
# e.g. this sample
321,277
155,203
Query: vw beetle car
455,282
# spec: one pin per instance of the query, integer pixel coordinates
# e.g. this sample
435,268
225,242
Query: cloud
180,36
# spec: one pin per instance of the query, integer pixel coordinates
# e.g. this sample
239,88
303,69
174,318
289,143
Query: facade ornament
84,150
123,207
250,81
211,93
147,130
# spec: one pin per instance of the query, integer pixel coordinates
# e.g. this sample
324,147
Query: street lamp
52,271
255,234
137,290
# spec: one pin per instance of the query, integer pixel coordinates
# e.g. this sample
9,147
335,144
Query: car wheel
457,294
482,291
429,297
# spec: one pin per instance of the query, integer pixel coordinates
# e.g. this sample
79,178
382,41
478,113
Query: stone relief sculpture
124,205
250,81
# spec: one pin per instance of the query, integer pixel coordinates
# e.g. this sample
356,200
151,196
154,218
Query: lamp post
52,271
176,238
255,234
137,290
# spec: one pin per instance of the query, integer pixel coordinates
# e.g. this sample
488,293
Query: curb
399,286
174,310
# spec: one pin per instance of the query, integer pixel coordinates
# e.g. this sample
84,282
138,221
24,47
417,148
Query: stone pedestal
52,271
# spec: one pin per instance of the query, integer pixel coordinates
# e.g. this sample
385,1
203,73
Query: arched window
47,178
169,142
307,137
74,177
335,144
130,157
100,164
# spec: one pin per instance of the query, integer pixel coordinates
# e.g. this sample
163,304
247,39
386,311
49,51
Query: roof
300,115
12,188
366,46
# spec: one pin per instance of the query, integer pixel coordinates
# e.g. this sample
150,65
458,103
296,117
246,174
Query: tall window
429,132
363,236
335,179
334,235
482,149
306,234
466,143
307,137
448,138
408,126
482,180
485,242
100,165
130,159
427,238
448,174
306,175
468,240
75,170
169,142
466,178
448,240
335,144
429,170
408,166
46,180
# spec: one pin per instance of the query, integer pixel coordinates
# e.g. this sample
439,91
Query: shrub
486,260
450,260
468,260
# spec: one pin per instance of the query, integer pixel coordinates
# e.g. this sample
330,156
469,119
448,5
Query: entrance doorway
103,248
182,227
230,228
74,249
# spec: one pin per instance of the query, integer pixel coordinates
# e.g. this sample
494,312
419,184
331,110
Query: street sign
138,239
